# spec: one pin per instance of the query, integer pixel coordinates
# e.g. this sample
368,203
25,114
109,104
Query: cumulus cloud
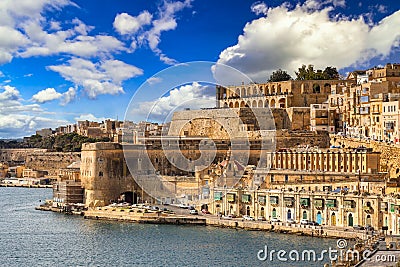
194,96
104,77
127,24
289,37
46,95
18,119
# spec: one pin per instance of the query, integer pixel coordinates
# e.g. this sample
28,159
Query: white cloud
46,95
74,41
127,24
13,16
259,8
104,77
289,37
154,80
51,94
18,119
194,96
165,22
68,96
89,117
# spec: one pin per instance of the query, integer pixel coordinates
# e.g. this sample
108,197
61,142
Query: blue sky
63,60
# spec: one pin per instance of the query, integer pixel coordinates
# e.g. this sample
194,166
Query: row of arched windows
281,103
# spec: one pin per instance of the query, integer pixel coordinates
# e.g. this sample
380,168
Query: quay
130,215
151,217
27,185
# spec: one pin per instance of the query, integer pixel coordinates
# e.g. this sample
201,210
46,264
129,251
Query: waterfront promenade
27,185
136,215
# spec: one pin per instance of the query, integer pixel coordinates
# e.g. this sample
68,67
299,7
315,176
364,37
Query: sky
68,60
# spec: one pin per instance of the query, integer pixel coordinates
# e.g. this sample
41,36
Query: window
100,174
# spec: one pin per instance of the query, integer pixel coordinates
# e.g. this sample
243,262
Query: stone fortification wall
288,139
39,159
220,123
104,173
14,155
50,161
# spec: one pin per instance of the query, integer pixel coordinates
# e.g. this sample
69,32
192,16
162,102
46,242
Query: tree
308,73
279,76
305,73
331,73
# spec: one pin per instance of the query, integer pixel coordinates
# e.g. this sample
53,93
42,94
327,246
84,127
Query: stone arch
272,103
242,104
279,89
231,104
350,219
237,104
243,92
267,91
249,91
266,104
282,103
273,89
237,92
260,104
261,90
248,104
316,88
254,104
225,105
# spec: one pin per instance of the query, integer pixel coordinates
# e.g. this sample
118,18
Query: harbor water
36,238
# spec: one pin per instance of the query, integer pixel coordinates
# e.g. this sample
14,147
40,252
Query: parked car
291,221
183,206
261,218
275,220
193,212
204,211
358,227
248,218
304,221
313,223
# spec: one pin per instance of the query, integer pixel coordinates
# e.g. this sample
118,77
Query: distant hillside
71,142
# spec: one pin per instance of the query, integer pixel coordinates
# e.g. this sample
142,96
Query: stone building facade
325,207
275,94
